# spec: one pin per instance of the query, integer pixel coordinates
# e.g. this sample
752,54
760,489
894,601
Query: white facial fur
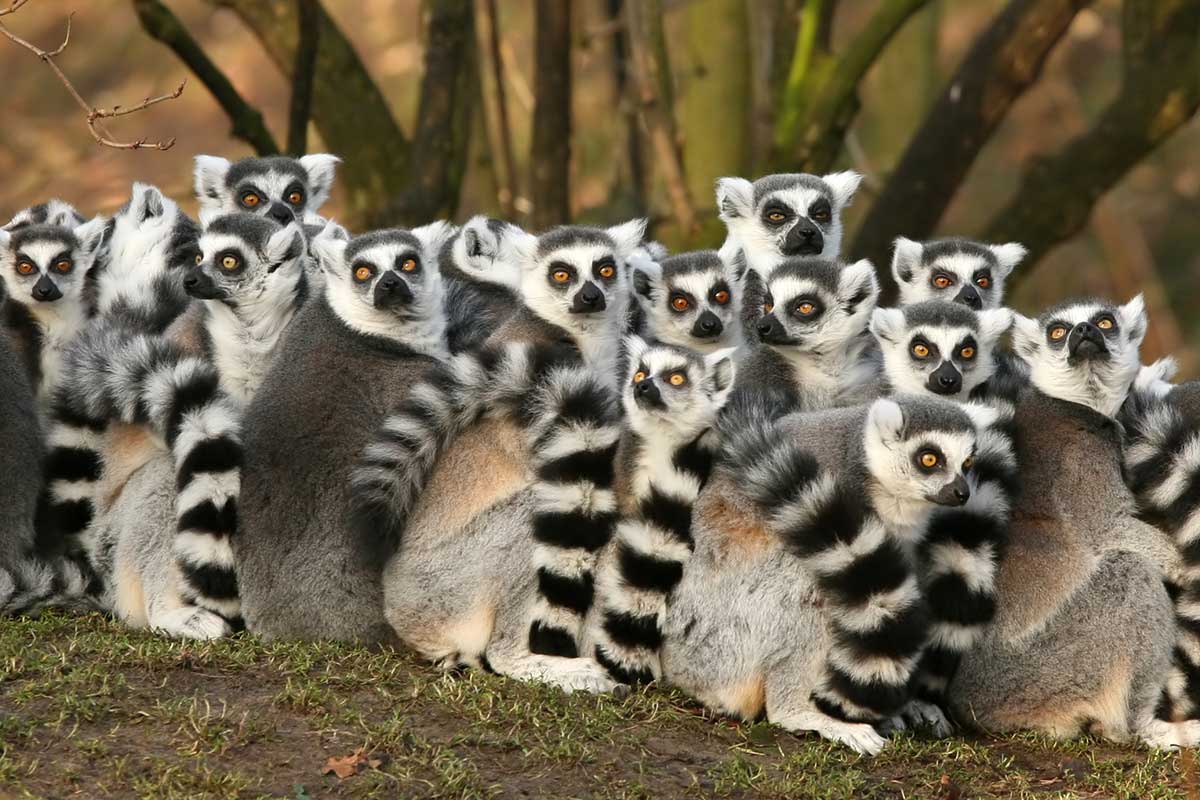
1098,383
918,273
271,185
701,291
44,254
832,327
57,212
910,373
680,413
493,256
138,247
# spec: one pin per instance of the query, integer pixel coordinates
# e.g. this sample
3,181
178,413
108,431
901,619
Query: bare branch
95,116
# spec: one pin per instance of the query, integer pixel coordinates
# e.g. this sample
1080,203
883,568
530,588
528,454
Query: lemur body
807,532
671,401
353,354
1084,629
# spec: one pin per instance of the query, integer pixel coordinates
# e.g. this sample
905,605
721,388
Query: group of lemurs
572,457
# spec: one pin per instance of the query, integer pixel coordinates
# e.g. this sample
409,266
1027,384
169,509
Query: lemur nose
281,214
191,280
645,386
764,327
589,295
947,380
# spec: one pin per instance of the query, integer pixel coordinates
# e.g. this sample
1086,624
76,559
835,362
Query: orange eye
929,460
229,263
677,379
967,353
362,273
1058,332
983,282
295,198
768,307
970,462
250,200
722,297
920,350
63,266
680,303
25,268
1105,324
607,271
639,376
776,216
805,308
409,265
943,281
560,276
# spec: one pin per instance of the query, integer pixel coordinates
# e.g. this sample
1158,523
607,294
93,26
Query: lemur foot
1171,735
923,714
568,674
191,622
858,736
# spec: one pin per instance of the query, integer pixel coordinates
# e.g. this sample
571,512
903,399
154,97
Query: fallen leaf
352,764
947,790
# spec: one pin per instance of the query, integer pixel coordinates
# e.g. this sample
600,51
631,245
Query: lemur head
52,212
815,305
44,266
922,449
674,388
939,347
386,283
248,262
491,250
786,215
954,269
280,187
690,300
1084,351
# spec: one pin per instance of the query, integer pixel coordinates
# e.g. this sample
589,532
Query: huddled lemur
954,269
671,400
1084,629
279,187
165,426
687,300
353,353
807,532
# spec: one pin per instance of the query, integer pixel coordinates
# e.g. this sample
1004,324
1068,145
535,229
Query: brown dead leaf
352,764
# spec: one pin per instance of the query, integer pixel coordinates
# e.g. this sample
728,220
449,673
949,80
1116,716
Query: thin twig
95,116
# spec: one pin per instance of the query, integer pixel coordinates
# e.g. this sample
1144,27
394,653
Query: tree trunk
550,153
300,108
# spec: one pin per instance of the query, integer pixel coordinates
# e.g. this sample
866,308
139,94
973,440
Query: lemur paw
860,737
575,675
1171,735
923,714
191,622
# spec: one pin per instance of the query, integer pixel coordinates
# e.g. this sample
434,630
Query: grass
90,709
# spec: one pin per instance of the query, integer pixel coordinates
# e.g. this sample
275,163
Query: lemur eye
63,266
199,259
25,268
680,303
250,200
919,350
942,281
639,376
229,263
928,459
1105,324
722,297
409,265
362,273
970,462
776,216
821,213
1058,332
768,307
295,198
983,281
560,276
967,353
677,379
607,271
805,308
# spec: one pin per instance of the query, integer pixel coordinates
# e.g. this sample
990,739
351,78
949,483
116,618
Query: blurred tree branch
550,153
1004,61
95,116
820,97
159,21
1160,91
300,107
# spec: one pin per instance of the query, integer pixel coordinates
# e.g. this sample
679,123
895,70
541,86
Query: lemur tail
138,379
877,616
33,584
396,465
1162,468
575,426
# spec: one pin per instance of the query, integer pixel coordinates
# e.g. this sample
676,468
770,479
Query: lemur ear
62,213
886,419
645,276
994,322
1156,378
720,365
983,415
887,324
906,257
329,247
209,181
5,239
635,347
478,239
735,199
627,237
320,168
857,286
146,201
90,234
1008,256
433,238
1027,335
1134,320
285,245
844,185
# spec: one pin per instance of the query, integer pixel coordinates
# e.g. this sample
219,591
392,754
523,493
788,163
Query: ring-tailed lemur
161,541
1162,468
374,335
954,269
52,212
671,400
474,307
813,345
688,300
44,269
280,187
1084,629
802,597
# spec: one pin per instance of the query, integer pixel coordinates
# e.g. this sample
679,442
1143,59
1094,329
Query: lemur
688,300
43,270
158,518
671,400
954,269
812,347
280,187
474,307
1084,629
369,341
1162,469
802,597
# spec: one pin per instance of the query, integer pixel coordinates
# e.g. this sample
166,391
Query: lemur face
954,269
1084,351
279,187
672,388
244,259
690,300
937,347
576,276
787,215
923,448
43,266
390,271
814,305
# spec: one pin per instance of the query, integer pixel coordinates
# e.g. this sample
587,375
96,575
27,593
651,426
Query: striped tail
72,470
35,583
877,616
575,426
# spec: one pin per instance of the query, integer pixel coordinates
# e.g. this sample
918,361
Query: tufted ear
329,247
886,420
906,257
844,185
320,168
628,237
5,239
1027,336
1156,378
90,234
433,238
1008,256
994,322
478,239
720,365
983,415
284,246
635,347
1134,320
646,276
145,202
857,286
209,181
887,324
735,199
62,213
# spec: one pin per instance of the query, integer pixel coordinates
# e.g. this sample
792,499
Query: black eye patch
560,274
921,349
776,214
967,350
820,211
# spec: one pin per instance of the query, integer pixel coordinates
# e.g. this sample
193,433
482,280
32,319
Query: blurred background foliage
1065,124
